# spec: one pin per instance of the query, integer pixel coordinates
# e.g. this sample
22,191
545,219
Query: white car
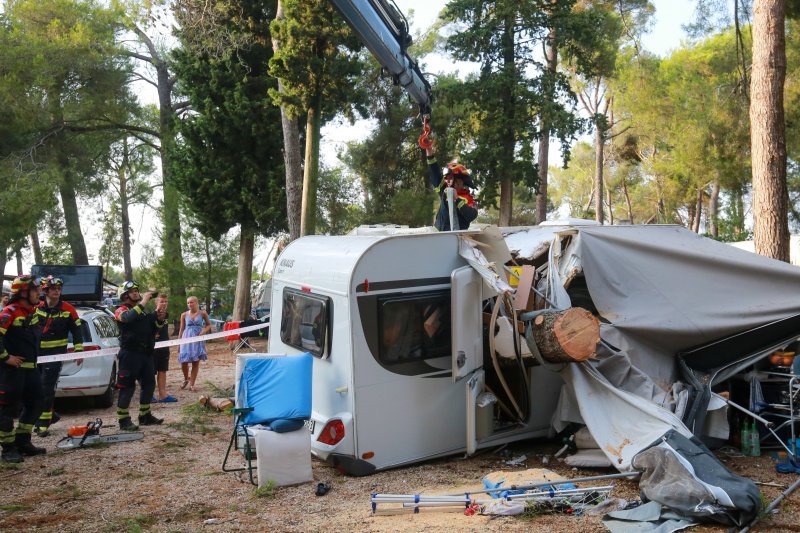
93,376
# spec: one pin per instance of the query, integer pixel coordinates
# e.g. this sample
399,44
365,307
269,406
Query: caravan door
467,327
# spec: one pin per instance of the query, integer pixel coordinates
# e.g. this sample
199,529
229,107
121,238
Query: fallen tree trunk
220,404
568,336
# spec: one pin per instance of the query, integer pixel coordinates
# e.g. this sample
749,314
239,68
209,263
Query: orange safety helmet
23,282
459,171
50,281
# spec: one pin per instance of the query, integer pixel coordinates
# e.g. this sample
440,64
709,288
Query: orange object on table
229,326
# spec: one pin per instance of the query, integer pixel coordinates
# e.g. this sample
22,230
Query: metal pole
772,506
549,483
450,193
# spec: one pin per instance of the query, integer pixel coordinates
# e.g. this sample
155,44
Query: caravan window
304,321
414,327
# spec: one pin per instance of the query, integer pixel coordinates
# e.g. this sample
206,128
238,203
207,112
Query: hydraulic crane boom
383,29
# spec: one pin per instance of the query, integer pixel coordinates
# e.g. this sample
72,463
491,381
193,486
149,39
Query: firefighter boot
11,454
126,424
25,446
148,419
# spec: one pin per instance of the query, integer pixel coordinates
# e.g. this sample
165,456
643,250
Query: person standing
20,383
3,301
136,340
194,322
57,320
456,176
161,355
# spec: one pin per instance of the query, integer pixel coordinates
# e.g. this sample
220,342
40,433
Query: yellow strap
28,364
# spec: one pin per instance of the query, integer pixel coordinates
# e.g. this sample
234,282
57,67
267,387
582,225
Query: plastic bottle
755,441
746,444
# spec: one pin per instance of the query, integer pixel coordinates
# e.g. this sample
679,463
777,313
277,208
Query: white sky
665,35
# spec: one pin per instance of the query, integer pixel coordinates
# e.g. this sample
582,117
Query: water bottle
755,441
746,444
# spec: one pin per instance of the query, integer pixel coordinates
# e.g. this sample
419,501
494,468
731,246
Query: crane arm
383,29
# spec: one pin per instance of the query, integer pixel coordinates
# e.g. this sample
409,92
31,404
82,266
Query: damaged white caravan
392,385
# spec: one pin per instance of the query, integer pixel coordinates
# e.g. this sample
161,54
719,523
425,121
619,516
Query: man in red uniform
20,383
57,319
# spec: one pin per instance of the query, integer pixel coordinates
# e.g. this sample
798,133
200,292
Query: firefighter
457,176
138,330
57,320
20,383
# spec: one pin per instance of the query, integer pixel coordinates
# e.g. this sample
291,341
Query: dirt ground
172,481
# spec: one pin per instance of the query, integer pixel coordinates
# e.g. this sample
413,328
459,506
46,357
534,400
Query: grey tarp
660,290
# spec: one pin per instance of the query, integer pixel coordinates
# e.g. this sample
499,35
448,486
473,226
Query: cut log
567,336
220,404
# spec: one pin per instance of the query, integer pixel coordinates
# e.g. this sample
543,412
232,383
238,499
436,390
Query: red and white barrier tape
163,344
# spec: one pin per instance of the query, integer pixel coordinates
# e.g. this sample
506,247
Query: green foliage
337,200
316,59
267,490
229,165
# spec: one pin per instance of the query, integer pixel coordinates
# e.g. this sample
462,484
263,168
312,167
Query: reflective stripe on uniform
57,343
4,355
47,415
123,413
28,364
6,437
24,429
144,408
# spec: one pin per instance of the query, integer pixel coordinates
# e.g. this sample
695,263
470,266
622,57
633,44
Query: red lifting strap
425,140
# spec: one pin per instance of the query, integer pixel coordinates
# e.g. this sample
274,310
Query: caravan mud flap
347,464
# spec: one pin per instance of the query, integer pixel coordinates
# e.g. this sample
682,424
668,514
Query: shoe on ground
28,449
11,455
126,424
42,431
154,400
168,399
149,420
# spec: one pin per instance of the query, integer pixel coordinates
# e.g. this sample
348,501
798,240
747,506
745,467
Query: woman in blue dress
194,322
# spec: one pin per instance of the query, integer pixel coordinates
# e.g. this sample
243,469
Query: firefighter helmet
51,281
21,283
127,286
460,171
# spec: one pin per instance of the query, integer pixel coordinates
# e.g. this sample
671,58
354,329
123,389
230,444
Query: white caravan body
371,410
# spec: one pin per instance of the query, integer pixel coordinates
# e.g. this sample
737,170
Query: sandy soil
171,481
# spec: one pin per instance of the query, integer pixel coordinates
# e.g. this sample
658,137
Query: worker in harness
138,330
457,204
20,383
57,319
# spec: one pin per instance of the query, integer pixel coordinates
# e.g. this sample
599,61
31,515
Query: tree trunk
72,219
610,205
36,247
125,216
690,212
566,336
507,139
18,254
551,60
3,261
598,173
308,218
768,130
698,211
713,210
627,200
241,302
171,236
292,158
208,273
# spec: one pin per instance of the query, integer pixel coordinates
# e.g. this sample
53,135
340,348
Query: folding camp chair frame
241,343
249,453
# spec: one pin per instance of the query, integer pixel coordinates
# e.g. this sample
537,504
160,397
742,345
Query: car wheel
107,398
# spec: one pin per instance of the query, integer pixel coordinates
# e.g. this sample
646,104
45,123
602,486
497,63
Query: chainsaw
89,435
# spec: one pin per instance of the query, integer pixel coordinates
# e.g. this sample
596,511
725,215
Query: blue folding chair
274,391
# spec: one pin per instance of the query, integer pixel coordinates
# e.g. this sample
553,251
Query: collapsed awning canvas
659,291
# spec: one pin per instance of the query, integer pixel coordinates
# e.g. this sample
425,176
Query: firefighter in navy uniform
20,383
138,330
57,320
457,176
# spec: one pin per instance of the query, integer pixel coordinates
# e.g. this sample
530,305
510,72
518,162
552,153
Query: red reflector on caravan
332,433
366,285
305,289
